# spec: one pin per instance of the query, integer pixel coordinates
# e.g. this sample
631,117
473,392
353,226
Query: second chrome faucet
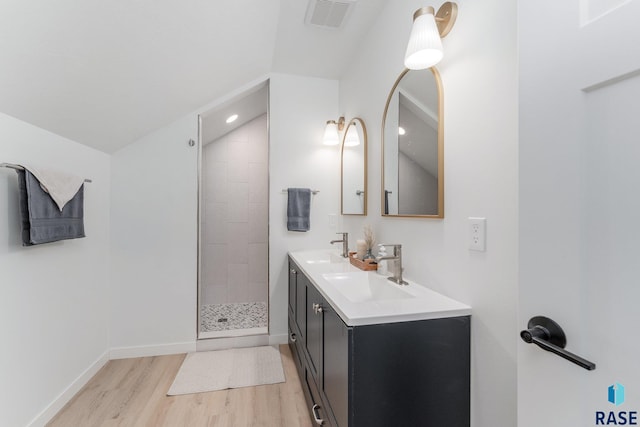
396,259
345,244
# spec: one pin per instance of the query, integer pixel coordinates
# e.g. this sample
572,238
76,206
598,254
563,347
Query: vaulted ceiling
105,73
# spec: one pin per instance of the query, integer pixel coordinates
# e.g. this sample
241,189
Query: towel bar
284,190
20,168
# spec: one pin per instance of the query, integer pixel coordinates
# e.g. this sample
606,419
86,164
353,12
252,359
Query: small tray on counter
366,265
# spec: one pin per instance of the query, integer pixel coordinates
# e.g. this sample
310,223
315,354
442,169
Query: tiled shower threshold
232,333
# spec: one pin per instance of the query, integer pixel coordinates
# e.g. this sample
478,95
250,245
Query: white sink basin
360,286
323,257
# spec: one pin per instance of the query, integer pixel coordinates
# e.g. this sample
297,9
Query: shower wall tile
239,162
211,294
220,293
258,183
216,151
258,224
215,182
216,227
238,242
214,265
257,292
259,146
241,134
235,216
238,280
259,267
238,207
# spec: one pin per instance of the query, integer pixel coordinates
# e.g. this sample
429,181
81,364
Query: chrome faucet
396,258
345,244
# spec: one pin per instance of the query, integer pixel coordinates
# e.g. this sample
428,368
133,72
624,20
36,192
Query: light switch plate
477,234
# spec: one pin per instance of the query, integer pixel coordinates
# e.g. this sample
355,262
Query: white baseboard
151,350
54,407
278,339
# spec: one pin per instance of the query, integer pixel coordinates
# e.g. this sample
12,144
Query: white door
579,209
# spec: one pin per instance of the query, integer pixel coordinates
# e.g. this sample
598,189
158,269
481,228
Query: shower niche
233,276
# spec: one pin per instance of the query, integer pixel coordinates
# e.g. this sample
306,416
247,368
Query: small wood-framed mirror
413,146
353,176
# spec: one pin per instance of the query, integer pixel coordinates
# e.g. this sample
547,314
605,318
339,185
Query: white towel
61,186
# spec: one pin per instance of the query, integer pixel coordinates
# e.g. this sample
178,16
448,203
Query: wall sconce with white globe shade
424,49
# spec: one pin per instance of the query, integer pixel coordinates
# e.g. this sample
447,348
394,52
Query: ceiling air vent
328,13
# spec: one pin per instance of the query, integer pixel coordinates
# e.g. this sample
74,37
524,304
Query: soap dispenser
382,265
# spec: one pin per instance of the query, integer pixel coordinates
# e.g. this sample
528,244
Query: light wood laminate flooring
132,392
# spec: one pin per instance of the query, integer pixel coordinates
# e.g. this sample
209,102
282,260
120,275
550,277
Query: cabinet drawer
319,414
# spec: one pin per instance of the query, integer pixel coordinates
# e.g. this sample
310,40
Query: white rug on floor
234,368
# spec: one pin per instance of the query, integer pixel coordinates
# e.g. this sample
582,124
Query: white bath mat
223,369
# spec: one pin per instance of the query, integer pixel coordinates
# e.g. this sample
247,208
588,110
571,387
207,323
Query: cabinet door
315,310
294,345
301,303
293,272
335,371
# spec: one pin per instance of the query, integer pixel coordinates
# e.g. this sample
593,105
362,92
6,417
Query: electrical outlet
477,234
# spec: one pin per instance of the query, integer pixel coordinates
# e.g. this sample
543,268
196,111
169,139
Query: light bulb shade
425,46
351,139
331,136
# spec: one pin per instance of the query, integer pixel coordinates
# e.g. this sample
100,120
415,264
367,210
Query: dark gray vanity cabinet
413,373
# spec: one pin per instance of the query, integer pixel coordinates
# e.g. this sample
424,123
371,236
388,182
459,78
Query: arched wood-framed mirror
413,146
353,167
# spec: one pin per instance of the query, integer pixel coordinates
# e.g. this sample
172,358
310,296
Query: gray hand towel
298,209
42,220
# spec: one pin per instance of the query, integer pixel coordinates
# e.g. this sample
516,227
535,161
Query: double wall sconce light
332,133
425,43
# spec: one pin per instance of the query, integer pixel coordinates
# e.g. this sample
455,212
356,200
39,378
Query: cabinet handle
316,416
293,337
292,271
317,308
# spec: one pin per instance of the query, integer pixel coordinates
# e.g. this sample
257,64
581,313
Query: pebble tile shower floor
225,317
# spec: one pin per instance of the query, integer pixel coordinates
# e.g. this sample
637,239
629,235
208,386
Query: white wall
479,69
353,173
53,297
299,109
153,244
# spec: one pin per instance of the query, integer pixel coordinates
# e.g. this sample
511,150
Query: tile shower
234,233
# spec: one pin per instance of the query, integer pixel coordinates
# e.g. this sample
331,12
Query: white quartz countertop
368,298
